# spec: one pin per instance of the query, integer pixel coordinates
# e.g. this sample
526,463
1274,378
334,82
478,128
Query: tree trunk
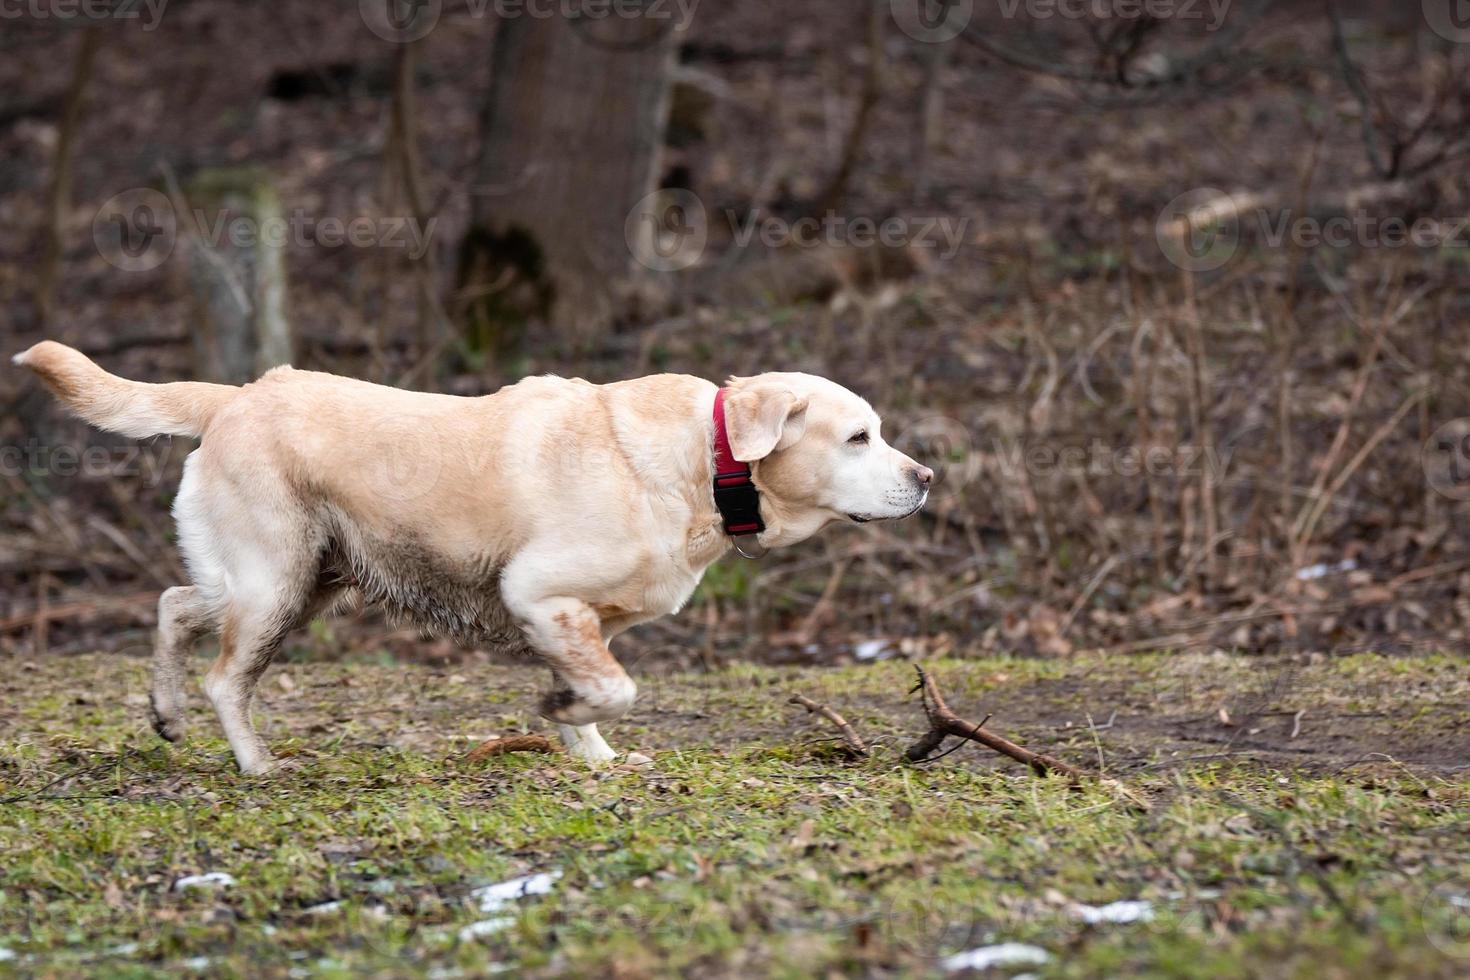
237,271
59,196
571,131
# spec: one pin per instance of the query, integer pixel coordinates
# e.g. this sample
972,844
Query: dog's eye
860,439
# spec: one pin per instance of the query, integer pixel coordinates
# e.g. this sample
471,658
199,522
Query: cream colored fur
547,517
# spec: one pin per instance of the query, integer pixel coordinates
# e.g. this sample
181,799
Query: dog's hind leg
250,635
183,617
249,639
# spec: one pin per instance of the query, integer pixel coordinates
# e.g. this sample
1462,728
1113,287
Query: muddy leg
248,642
590,685
183,617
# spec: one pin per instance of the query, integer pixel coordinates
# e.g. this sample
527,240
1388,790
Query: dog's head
817,455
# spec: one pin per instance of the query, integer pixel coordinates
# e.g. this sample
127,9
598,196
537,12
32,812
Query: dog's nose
924,475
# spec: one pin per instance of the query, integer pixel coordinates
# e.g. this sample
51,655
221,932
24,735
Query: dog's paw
272,768
594,755
170,726
586,743
168,729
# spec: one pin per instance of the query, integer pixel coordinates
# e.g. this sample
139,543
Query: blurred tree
58,197
570,134
239,282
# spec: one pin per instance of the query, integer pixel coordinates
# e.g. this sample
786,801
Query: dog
547,517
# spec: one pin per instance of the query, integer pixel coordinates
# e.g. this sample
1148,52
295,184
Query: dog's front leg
585,742
590,685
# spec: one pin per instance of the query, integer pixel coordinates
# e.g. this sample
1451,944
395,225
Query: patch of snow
326,908
212,879
880,649
1113,912
454,973
486,927
6,954
196,963
1001,954
493,898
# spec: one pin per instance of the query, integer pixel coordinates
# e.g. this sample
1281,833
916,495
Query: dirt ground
1305,818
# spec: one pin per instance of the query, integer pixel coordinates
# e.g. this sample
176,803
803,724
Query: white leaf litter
1113,912
1001,954
326,908
1313,572
6,954
494,899
213,879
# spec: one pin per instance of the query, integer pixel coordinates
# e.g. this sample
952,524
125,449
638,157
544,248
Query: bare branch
850,738
511,743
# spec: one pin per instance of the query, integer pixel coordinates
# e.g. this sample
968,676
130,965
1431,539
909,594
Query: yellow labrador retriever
548,517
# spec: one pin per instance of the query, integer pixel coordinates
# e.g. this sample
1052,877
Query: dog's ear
762,417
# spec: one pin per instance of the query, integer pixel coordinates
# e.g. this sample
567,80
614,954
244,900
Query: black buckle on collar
739,504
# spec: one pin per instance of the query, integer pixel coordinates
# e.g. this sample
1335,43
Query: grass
748,847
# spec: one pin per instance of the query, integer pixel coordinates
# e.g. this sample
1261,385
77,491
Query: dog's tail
131,408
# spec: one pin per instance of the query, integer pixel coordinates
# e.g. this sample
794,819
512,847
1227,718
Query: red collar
736,497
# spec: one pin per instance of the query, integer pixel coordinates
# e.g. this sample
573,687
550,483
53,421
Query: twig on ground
511,743
850,738
943,722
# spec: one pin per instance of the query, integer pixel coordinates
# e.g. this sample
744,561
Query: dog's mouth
865,518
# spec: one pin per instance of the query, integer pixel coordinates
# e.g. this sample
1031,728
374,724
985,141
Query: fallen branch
943,723
511,743
76,610
850,738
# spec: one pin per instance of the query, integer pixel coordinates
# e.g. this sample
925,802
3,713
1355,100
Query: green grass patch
747,848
